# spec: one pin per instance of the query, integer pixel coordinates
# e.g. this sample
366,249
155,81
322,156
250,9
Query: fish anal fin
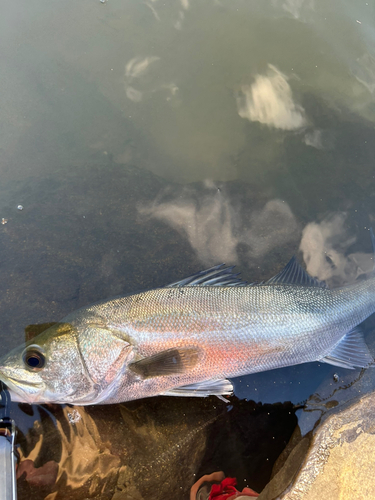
217,388
351,352
170,362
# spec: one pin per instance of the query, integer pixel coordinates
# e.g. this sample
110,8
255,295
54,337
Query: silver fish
187,338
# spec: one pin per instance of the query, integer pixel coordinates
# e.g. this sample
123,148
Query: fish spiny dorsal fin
294,274
215,276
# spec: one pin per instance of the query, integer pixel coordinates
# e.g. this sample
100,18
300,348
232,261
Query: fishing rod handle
8,487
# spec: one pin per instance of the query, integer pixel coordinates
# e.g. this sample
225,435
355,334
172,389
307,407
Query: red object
41,476
226,490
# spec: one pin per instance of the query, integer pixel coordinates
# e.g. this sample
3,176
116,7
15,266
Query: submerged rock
118,451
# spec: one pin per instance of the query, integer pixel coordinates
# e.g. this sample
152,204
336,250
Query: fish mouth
19,388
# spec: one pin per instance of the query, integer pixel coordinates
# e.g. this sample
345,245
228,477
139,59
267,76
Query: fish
191,337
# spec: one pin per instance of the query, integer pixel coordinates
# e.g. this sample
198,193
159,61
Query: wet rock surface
330,454
335,461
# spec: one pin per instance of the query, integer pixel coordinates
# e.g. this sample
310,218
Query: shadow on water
161,445
122,451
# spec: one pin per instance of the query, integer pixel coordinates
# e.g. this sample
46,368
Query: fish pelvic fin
217,388
351,352
169,362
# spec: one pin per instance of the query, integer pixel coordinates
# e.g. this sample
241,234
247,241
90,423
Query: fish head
64,364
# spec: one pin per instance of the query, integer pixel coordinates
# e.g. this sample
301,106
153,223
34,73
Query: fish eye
33,358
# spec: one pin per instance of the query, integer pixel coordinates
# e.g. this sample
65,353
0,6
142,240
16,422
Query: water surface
147,141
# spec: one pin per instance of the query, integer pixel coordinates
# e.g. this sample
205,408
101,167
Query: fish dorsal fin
293,273
351,352
215,276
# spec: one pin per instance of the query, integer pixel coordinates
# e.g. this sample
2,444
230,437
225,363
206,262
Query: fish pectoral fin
170,362
351,352
203,389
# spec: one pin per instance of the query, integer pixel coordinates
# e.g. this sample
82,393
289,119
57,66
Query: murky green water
149,140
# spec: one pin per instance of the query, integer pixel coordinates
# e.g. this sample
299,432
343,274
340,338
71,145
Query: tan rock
339,463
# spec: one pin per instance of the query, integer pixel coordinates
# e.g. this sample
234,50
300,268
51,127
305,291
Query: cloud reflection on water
323,139
364,71
215,227
137,66
324,246
269,101
296,7
314,139
136,74
133,94
208,225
